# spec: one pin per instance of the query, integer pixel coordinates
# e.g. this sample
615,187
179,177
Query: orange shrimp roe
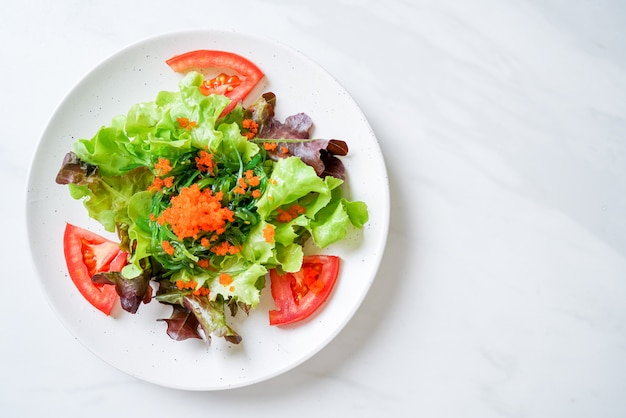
269,146
202,291
251,179
162,167
225,279
191,285
268,233
284,151
205,163
225,248
194,211
241,186
167,247
185,123
158,183
251,126
182,285
292,212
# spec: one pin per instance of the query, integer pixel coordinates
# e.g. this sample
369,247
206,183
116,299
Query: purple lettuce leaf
132,292
194,313
321,154
74,171
182,324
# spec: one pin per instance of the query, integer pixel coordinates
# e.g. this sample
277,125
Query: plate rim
170,35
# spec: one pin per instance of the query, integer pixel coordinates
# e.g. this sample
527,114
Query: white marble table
503,289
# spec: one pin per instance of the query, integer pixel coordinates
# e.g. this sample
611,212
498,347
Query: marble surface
503,289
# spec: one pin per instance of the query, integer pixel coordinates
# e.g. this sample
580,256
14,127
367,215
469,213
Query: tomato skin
205,58
298,295
87,253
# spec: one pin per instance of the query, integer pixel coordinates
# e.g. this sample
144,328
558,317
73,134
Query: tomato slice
86,254
298,295
236,89
221,84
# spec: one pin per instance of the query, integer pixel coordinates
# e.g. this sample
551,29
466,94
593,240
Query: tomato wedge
86,254
298,295
236,89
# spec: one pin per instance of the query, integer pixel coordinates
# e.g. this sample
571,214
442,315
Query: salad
209,199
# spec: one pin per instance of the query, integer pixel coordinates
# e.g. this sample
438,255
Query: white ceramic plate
137,344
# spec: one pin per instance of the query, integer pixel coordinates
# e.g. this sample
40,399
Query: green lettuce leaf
291,180
328,216
108,149
210,316
247,280
256,249
334,221
107,198
139,230
289,257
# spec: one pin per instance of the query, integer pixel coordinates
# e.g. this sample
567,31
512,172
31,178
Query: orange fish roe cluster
194,211
283,151
191,285
167,247
292,212
225,248
202,291
206,242
203,263
162,167
241,186
268,233
158,183
185,123
269,146
225,279
249,179
205,163
183,285
251,127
